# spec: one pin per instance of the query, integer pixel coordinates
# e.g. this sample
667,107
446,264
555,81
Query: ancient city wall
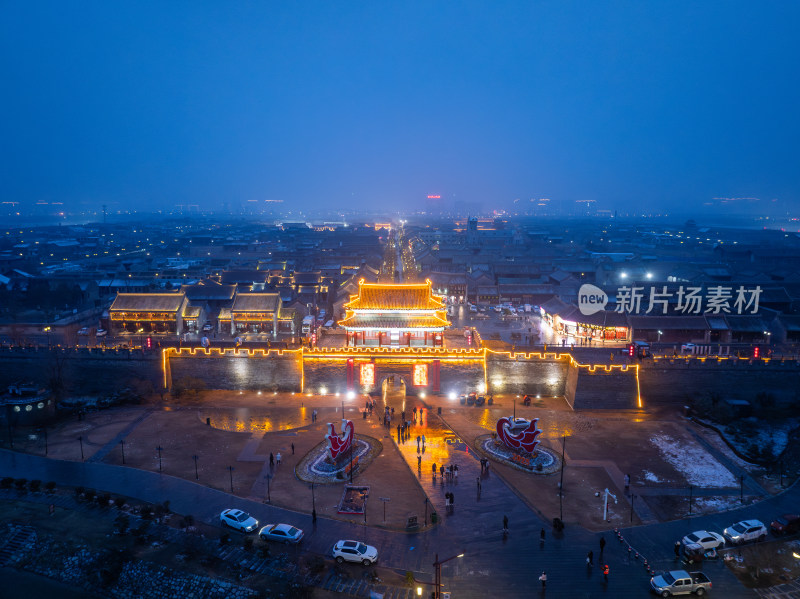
256,370
101,371
676,381
83,371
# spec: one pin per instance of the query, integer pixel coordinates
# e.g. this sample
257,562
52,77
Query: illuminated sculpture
525,440
340,444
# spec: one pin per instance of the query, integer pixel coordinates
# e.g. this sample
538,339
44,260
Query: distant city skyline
636,108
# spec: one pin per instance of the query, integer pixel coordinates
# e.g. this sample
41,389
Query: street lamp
80,440
159,449
230,470
314,505
196,475
122,446
437,566
561,482
47,330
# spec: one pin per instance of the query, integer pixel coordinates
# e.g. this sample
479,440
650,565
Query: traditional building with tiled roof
395,315
148,313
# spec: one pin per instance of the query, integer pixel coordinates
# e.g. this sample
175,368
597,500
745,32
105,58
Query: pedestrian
452,498
423,440
602,545
441,472
419,463
478,478
434,471
627,482
292,448
271,460
455,473
543,578
590,558
541,536
420,415
278,458
605,572
677,549
505,519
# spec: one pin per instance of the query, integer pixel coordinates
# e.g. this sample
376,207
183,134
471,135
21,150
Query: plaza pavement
507,567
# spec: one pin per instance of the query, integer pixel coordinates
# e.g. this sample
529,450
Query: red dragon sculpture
524,440
337,445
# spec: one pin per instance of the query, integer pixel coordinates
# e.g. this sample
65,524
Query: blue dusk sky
656,106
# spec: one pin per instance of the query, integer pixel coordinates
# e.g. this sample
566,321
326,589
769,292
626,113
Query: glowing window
367,374
420,375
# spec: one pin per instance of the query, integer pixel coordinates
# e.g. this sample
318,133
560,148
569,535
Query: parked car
688,347
788,524
480,400
238,520
285,533
744,531
83,331
208,327
101,333
680,582
471,398
708,540
355,551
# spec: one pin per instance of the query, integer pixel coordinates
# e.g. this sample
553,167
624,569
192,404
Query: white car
688,347
285,533
704,538
355,551
239,520
746,530
101,333
83,331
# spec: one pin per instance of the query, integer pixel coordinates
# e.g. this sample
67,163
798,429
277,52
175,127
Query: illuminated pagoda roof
393,321
405,296
383,307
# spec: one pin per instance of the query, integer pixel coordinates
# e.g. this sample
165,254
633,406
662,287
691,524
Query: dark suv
788,524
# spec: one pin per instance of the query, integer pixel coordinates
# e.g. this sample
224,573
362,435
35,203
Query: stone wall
83,371
676,381
533,376
239,369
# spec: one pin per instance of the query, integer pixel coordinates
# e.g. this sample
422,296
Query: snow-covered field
697,465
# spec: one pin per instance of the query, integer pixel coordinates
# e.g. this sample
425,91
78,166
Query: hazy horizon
638,108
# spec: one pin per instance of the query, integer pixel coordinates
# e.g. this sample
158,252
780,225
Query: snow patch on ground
650,477
698,466
761,438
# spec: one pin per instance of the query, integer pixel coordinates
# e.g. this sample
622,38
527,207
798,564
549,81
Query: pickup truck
680,582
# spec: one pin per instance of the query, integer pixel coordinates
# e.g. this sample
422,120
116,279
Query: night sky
650,105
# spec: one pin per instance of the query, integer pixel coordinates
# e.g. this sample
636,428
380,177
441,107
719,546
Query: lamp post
351,451
437,567
269,478
80,440
426,510
561,482
159,449
122,446
632,498
314,506
196,474
230,471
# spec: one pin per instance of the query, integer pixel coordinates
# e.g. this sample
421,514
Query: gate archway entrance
393,387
